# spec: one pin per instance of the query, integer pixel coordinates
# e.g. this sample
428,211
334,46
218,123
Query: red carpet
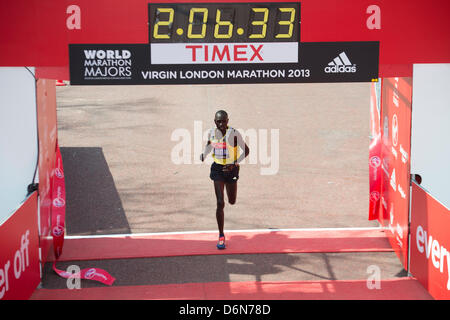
391,289
238,242
245,242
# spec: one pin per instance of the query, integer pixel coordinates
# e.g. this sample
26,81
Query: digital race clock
224,22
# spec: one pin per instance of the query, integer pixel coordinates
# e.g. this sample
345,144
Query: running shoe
221,243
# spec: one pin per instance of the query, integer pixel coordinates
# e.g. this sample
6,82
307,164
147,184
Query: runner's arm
207,149
239,141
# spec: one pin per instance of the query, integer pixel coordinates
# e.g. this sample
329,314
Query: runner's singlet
223,153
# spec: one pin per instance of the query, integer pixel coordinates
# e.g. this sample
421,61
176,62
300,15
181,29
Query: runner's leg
218,189
231,192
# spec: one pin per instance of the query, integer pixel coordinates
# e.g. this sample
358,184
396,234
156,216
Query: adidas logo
340,64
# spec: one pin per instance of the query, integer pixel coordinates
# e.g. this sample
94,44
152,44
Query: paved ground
121,177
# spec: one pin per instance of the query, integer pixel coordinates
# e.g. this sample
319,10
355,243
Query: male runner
225,143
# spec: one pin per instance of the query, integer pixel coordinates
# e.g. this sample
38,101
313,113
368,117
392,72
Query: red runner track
390,289
239,242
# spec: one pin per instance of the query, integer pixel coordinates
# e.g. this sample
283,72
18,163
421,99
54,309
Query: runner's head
221,120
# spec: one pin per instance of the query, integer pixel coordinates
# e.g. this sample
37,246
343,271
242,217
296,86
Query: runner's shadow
274,262
93,203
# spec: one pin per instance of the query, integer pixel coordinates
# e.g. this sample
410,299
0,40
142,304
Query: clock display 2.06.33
224,22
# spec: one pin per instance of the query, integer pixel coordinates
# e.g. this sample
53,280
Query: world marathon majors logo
107,64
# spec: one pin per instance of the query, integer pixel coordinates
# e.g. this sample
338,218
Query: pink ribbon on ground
58,227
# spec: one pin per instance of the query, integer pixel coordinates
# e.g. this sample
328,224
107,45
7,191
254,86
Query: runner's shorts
217,174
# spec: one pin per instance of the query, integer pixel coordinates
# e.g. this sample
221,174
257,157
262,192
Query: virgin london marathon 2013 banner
223,63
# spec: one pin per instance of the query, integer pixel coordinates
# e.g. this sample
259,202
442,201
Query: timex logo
220,53
226,52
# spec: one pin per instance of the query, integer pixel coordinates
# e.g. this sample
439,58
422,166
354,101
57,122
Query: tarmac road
119,148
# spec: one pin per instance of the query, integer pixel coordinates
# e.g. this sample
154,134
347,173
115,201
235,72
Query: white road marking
215,231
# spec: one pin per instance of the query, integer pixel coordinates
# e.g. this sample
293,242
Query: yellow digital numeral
287,23
193,11
159,23
262,23
222,23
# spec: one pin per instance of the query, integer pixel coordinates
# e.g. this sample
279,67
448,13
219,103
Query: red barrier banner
395,162
430,243
48,131
19,253
58,227
28,24
374,155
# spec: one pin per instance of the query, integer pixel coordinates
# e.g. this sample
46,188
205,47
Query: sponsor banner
430,243
58,205
374,155
58,227
132,64
19,252
395,162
